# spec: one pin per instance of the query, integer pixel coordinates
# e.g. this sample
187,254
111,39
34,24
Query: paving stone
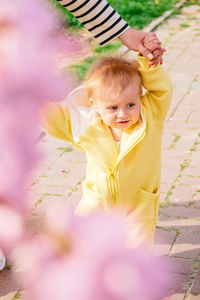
48,202
60,180
196,285
195,159
187,245
194,181
167,140
172,162
194,117
163,241
198,195
197,200
191,10
75,196
8,285
165,187
179,283
69,160
179,223
180,265
192,171
180,115
175,297
181,211
182,194
168,176
38,190
194,297
162,197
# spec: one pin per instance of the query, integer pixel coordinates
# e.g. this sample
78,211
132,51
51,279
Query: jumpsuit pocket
145,205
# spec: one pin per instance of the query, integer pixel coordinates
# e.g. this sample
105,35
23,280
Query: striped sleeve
100,19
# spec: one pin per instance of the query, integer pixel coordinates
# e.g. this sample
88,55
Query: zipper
112,177
112,184
111,172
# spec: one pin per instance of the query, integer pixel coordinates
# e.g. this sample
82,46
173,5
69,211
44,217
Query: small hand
158,56
135,40
152,43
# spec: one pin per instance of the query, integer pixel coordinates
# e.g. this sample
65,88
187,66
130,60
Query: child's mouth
123,122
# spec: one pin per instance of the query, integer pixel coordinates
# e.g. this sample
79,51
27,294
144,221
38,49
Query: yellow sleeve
54,119
159,87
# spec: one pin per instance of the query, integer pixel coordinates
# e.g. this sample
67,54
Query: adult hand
133,39
152,43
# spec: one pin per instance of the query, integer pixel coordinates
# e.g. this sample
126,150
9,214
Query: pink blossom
11,229
89,260
28,77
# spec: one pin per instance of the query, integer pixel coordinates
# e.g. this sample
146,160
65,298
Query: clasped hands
147,43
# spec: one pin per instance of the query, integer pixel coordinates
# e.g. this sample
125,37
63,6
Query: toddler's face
121,112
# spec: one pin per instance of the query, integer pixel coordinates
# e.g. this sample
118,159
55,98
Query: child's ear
91,101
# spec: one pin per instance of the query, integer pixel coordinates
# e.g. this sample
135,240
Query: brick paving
58,178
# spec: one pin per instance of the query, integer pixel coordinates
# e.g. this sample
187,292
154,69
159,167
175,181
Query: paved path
178,232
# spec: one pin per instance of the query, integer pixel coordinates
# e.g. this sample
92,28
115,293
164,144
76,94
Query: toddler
119,129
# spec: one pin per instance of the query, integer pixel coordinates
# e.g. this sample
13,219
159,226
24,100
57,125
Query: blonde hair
112,74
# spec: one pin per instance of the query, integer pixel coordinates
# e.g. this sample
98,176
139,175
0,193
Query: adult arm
100,19
105,24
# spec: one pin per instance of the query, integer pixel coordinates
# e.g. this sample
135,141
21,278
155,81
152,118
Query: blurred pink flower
11,229
119,273
29,38
89,260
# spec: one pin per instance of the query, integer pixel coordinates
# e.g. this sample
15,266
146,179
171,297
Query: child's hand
152,43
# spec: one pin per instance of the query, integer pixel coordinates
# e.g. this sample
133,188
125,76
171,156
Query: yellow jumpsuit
131,178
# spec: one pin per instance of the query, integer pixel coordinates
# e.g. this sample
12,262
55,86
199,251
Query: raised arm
158,85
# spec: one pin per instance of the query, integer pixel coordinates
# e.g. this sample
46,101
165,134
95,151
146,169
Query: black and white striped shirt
104,23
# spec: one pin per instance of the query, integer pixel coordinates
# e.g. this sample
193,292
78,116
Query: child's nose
121,113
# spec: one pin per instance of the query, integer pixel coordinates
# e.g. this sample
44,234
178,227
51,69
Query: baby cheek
107,118
136,114
138,110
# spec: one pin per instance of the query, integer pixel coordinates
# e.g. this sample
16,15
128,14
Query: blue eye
130,104
113,107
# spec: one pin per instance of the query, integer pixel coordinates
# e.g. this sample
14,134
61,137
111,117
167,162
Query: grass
65,149
17,295
176,139
80,70
8,267
185,164
184,25
108,48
